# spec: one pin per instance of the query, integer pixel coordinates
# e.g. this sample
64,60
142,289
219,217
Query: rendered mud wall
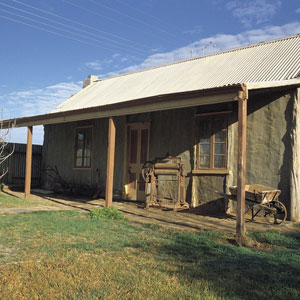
173,132
58,150
268,141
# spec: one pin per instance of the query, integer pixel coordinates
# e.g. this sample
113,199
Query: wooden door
137,154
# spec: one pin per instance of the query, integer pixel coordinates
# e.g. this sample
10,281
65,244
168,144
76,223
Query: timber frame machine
162,170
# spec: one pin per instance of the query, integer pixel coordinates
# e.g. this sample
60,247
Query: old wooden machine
162,176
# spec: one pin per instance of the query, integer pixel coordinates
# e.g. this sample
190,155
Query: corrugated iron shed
271,61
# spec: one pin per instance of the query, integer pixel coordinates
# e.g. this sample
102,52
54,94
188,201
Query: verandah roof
276,60
268,64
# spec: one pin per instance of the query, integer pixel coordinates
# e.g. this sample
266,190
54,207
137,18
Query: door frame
126,151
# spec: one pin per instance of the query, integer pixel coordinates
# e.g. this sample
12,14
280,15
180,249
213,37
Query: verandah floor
185,220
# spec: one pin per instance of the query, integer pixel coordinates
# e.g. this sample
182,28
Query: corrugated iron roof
271,61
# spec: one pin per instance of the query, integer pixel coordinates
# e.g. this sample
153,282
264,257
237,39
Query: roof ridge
204,56
255,45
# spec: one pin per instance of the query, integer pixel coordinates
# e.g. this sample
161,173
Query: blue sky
49,47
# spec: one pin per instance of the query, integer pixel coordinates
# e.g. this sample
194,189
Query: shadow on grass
238,273
9,194
63,203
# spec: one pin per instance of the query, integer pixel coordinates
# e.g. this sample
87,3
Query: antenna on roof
211,44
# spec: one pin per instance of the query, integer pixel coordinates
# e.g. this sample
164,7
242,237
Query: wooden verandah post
241,179
28,162
110,162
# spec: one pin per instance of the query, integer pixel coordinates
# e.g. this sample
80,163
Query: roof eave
109,109
273,84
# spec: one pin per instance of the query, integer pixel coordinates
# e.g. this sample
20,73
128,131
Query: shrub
110,213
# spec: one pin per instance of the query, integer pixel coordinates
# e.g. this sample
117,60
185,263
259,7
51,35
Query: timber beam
241,179
28,162
110,162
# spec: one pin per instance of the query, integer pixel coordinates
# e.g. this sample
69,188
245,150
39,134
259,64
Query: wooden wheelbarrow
260,198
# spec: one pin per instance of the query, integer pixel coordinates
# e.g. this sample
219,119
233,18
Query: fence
16,165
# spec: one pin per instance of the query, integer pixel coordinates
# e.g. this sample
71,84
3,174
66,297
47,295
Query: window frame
211,118
82,167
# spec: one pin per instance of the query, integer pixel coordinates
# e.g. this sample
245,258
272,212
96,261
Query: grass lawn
68,255
7,201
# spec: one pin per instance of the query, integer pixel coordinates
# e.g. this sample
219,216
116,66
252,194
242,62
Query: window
212,144
83,147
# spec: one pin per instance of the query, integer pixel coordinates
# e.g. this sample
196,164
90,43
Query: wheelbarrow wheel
148,165
280,214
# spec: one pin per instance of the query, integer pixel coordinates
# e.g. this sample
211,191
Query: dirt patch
251,243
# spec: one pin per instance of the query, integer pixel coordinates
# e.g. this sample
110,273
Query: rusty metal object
165,167
60,185
169,172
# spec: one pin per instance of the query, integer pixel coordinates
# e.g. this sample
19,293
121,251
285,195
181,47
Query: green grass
110,213
7,201
69,255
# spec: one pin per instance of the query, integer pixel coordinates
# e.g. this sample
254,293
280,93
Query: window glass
86,162
83,147
87,152
204,161
80,136
78,161
212,144
204,148
219,161
220,148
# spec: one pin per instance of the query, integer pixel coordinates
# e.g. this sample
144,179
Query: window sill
211,171
82,169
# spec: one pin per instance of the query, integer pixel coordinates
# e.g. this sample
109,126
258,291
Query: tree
5,134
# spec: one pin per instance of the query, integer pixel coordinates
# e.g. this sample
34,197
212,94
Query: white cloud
222,42
298,10
35,102
253,12
94,65
38,101
98,65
